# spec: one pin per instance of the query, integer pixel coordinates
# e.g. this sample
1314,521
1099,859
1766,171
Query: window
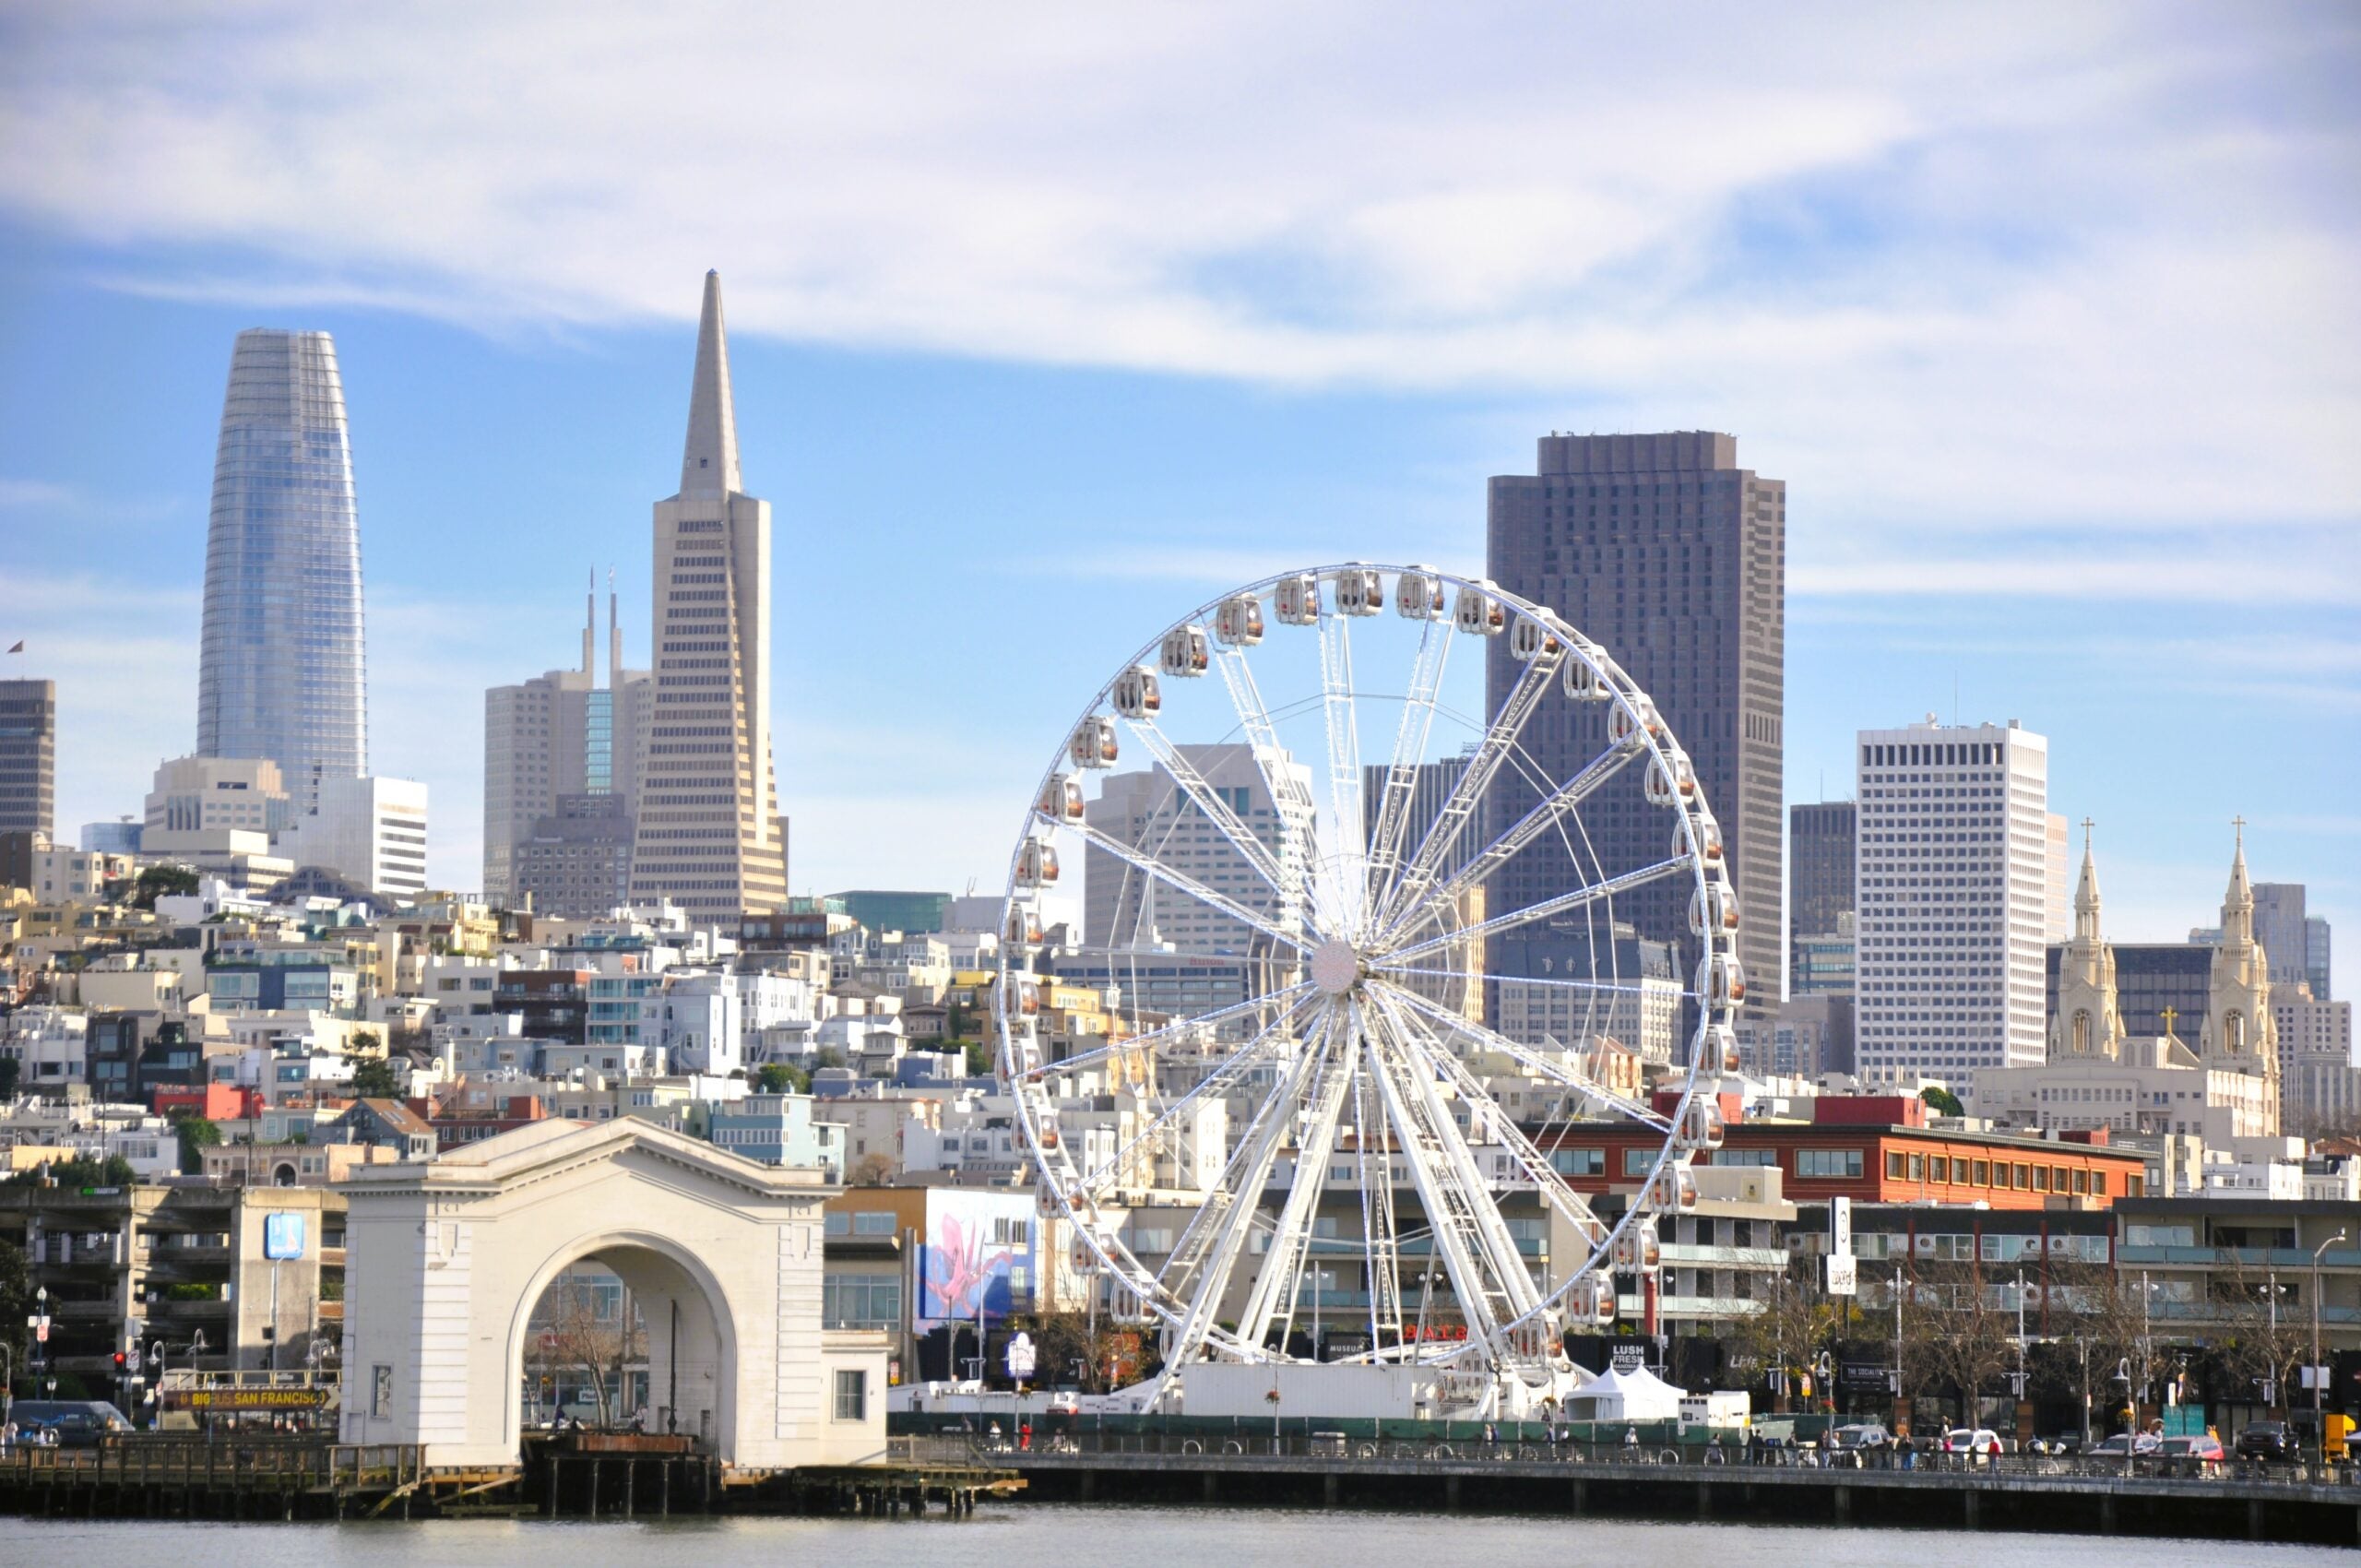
840,1225
861,1301
1895,1165
2020,1178
1768,1158
2041,1177
873,1223
1578,1161
1983,1173
1639,1161
852,1396
1831,1163
1917,1168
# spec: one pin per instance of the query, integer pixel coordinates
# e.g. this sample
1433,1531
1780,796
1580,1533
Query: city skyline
2076,580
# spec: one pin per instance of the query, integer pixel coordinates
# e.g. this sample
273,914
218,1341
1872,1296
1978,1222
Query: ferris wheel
1296,1136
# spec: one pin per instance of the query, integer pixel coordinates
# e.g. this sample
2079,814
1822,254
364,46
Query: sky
1050,322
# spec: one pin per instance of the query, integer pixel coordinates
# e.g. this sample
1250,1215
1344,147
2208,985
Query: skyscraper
710,837
29,757
557,735
1954,900
1664,551
280,672
1819,877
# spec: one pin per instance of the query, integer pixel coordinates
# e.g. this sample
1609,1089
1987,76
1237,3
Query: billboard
282,1236
979,1256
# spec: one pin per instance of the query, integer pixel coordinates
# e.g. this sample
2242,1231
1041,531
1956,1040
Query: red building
1871,1150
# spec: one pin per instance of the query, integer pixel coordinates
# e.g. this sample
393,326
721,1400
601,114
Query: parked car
1980,1440
1861,1435
78,1423
2194,1455
2267,1440
2125,1446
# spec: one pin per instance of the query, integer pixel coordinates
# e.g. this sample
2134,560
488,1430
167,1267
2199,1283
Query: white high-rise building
1124,908
205,794
1953,900
370,830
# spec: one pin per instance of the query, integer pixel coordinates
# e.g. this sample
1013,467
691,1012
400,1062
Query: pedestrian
1491,1435
1714,1449
1631,1442
1025,1437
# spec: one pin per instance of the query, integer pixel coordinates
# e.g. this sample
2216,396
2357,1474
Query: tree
365,1042
1959,1338
781,1077
979,1061
196,1133
2267,1339
872,1170
375,1079
15,1299
1799,1320
579,1326
1941,1101
161,882
827,1056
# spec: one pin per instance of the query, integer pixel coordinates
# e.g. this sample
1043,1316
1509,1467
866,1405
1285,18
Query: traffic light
119,1362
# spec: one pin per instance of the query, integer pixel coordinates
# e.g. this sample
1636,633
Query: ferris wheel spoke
1182,882
1553,809
1488,1039
1487,1275
1208,1250
1289,798
1236,1062
1409,745
1467,792
1212,807
1543,911
1381,1243
1293,996
1546,1180
1343,865
1279,1283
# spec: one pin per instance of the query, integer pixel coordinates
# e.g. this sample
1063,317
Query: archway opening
624,1336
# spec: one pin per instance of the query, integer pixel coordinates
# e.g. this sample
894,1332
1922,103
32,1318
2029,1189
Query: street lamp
2320,1425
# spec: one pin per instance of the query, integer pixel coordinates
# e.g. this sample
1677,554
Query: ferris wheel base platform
1345,1390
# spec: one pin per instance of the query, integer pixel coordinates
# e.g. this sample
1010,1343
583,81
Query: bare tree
572,1333
1961,1337
2264,1341
1798,1320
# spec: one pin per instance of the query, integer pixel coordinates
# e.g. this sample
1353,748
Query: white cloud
2038,265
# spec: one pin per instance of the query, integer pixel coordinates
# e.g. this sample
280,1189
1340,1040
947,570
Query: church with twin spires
2222,1091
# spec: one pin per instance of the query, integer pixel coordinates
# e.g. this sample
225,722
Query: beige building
2224,1090
2320,1087
710,837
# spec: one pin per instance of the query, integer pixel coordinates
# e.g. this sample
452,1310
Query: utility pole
2319,1372
1897,1336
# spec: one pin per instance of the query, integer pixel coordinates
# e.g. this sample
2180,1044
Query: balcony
2130,1257
1694,1255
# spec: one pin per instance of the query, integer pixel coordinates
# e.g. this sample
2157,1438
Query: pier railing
233,1463
1335,1449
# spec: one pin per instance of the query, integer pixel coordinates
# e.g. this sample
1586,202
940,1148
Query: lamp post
2319,1424
1897,1338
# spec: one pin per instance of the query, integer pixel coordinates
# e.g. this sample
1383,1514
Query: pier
595,1475
2086,1497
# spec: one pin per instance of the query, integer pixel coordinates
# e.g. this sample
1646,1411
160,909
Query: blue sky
1049,322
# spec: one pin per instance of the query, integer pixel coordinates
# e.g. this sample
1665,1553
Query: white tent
1633,1395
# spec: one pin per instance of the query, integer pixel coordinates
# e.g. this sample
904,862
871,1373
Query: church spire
2086,895
2237,904
709,462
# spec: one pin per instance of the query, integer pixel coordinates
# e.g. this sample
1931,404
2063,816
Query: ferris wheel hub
1336,967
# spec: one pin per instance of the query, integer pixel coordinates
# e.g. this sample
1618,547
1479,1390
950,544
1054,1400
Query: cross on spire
2169,1015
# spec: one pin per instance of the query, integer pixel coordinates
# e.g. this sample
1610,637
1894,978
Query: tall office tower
561,735
1952,881
2160,987
1673,557
1819,877
2289,935
2058,917
2320,1087
710,837
280,672
29,757
1123,907
577,861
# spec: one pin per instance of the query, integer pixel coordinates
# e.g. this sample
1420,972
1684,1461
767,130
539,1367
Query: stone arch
2234,1032
691,1377
2081,1033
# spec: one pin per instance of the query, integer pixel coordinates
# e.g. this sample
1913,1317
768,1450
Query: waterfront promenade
2287,1503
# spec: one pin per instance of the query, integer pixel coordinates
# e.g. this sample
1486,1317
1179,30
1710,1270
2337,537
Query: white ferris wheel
1293,1141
